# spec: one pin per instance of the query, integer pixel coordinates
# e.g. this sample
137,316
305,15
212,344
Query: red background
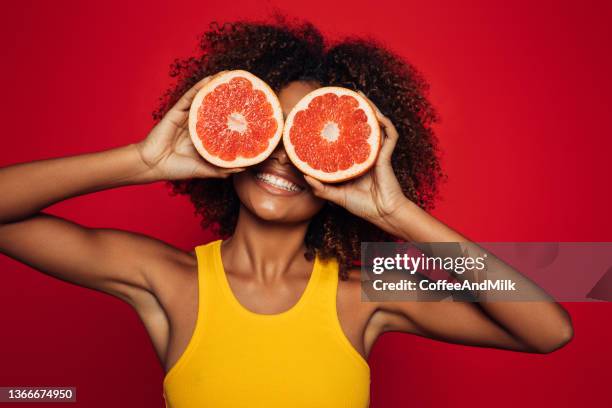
523,92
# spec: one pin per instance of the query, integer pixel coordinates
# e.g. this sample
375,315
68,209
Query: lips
278,182
279,178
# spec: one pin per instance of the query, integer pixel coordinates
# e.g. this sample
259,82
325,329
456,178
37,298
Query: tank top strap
323,299
207,296
209,276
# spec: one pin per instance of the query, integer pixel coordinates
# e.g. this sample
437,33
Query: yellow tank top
299,358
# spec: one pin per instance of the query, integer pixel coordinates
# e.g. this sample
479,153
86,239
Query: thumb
325,191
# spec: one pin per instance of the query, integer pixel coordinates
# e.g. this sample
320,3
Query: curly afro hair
280,52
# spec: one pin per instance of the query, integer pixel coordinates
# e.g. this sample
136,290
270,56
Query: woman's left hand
375,196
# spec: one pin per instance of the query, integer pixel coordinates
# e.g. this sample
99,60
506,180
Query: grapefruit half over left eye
332,134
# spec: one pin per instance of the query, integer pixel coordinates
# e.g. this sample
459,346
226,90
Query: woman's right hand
168,150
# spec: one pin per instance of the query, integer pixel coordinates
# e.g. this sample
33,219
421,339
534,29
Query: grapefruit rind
374,139
257,84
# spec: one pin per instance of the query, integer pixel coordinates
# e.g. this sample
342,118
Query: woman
272,315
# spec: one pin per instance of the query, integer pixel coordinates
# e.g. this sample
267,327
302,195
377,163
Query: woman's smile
278,180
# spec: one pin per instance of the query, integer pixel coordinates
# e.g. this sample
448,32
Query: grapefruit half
235,120
332,134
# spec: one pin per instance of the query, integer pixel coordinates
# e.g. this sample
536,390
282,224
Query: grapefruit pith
235,120
332,134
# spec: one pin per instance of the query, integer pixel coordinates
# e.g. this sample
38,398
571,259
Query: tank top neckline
233,300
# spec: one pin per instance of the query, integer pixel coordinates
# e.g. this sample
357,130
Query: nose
280,155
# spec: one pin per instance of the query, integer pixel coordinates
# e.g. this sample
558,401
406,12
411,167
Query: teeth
278,182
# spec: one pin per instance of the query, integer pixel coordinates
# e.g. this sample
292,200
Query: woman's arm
114,261
102,259
30,187
536,326
539,326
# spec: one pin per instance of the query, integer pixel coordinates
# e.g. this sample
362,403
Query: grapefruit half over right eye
235,120
332,134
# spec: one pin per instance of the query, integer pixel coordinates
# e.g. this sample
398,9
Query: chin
273,213
273,195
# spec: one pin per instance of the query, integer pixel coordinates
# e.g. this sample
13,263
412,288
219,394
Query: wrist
392,213
141,171
399,217
383,218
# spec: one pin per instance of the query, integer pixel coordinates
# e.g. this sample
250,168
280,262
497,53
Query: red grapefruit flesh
332,134
235,120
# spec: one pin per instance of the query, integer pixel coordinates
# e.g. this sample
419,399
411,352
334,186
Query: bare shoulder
168,309
350,295
162,265
170,273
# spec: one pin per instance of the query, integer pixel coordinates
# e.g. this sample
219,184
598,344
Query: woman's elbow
556,340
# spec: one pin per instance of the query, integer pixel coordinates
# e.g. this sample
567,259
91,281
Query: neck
268,249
